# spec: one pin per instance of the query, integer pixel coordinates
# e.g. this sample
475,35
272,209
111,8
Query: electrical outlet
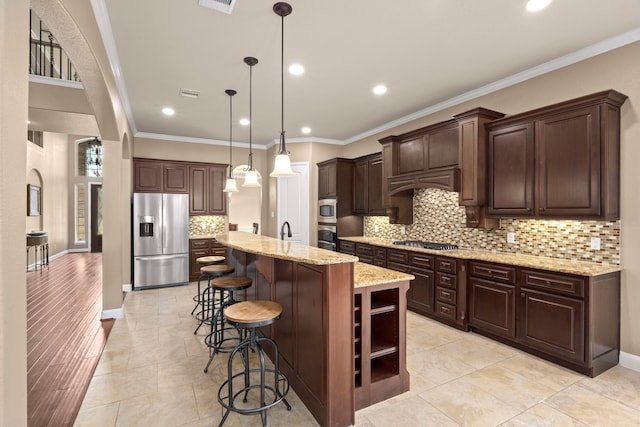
595,243
273,214
376,228
403,229
511,237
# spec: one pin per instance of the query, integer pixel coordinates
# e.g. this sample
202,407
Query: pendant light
251,175
282,167
230,186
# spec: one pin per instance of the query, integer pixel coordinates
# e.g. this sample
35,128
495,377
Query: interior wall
618,69
14,25
51,162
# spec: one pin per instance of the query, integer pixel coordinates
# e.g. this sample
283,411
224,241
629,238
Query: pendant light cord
230,135
282,142
250,116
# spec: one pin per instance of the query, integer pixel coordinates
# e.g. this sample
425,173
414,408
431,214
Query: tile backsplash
205,225
438,218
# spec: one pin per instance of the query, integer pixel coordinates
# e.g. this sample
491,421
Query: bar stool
218,340
247,316
207,298
202,261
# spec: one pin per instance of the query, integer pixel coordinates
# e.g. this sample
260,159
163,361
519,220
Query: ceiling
428,53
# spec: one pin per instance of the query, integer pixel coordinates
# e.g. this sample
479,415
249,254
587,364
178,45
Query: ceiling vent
189,93
225,6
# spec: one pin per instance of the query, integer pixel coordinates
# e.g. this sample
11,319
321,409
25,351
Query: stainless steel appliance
426,245
160,239
327,237
327,211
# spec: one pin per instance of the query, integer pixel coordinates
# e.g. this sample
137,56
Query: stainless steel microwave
328,211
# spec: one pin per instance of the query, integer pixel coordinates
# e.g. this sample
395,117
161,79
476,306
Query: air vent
225,6
189,93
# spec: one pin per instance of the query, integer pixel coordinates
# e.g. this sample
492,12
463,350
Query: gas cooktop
426,245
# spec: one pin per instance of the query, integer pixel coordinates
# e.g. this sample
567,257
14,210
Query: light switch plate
403,229
511,237
376,228
595,243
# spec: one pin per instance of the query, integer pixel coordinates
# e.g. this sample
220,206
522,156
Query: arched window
90,158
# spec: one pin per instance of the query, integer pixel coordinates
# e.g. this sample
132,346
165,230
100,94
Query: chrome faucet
282,230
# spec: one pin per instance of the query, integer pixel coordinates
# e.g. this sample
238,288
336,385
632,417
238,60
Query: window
90,158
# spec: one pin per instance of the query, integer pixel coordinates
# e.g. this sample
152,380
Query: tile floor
151,374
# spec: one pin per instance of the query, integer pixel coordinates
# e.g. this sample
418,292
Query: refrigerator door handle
153,258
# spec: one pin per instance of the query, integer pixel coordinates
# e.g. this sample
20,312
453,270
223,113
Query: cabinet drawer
199,244
421,260
379,253
347,247
446,280
396,256
446,265
445,310
219,252
493,271
404,268
556,283
446,295
364,250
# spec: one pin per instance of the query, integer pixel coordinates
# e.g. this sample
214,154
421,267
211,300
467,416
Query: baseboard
78,250
630,361
127,287
58,255
114,313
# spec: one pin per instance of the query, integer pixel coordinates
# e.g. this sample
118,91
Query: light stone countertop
282,249
202,236
369,275
581,268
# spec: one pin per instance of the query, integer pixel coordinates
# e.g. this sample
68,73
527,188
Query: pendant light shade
282,167
251,175
230,186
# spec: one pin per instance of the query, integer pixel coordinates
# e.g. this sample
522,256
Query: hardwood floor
65,336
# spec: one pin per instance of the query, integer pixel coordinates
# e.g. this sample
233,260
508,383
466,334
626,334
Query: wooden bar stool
202,261
247,316
220,338
207,297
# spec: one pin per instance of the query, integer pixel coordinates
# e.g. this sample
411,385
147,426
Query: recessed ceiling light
296,69
167,111
244,122
306,129
536,5
28,122
380,90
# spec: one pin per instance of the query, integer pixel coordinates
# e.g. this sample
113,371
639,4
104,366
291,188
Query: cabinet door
194,267
175,178
553,324
492,307
198,190
568,152
375,187
361,188
217,198
147,177
420,297
511,167
327,180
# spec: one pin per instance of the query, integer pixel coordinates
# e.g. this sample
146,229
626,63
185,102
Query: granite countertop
581,268
202,236
369,275
282,249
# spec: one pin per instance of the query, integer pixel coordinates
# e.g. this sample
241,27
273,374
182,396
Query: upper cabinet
327,173
561,161
203,182
156,176
367,185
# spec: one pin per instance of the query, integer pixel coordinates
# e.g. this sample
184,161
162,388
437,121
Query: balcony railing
46,57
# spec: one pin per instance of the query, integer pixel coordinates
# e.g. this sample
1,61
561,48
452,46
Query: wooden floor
65,336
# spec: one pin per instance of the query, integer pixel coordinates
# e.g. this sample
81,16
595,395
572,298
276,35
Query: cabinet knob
548,283
509,291
528,209
522,294
542,209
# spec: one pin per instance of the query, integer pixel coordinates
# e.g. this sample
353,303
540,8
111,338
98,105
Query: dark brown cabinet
156,176
205,192
492,307
199,248
327,174
367,185
561,161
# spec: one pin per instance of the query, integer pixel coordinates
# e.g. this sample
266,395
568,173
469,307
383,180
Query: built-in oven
327,237
328,211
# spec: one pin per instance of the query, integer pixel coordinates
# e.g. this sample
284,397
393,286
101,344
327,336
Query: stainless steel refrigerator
160,239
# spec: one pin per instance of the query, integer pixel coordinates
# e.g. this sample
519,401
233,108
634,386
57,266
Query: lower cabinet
420,297
199,248
492,307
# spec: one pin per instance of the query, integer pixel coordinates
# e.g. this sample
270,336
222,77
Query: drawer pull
445,293
445,310
548,283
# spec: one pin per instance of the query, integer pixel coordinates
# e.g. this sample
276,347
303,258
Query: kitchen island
321,292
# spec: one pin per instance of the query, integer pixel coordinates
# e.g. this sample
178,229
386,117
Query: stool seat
211,259
253,314
217,269
231,283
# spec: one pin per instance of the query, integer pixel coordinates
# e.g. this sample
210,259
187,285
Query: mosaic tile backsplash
206,225
438,218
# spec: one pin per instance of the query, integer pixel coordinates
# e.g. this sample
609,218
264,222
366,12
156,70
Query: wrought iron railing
46,56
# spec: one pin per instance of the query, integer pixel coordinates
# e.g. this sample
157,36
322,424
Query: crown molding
274,142
194,140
